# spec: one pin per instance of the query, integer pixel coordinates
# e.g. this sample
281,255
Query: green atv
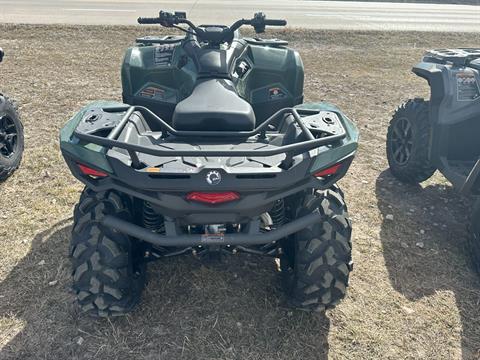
212,152
11,135
442,133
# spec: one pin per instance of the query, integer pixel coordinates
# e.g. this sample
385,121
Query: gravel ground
405,301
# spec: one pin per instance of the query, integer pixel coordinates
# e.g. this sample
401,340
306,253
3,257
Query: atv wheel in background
11,137
408,141
317,260
475,236
108,271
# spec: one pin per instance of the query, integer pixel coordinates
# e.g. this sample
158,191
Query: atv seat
214,106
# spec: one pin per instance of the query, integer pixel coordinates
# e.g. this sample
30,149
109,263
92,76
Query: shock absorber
278,213
152,220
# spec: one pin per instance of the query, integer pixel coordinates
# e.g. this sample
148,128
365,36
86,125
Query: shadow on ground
189,311
425,250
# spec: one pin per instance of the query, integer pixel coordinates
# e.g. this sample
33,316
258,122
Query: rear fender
88,154
434,76
346,148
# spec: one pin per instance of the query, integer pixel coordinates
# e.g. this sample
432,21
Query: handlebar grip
146,20
273,22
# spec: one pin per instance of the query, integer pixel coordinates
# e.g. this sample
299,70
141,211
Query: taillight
213,198
91,172
332,170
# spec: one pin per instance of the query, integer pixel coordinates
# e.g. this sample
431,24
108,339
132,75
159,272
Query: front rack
460,56
290,150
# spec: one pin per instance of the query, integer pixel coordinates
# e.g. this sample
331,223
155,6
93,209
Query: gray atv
442,133
11,135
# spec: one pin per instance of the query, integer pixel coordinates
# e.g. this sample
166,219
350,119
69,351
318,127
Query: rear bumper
256,195
186,240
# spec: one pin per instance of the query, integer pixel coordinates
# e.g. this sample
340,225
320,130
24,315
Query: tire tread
104,277
7,168
322,258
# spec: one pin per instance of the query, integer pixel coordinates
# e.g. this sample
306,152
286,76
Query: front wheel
408,142
11,137
317,265
108,272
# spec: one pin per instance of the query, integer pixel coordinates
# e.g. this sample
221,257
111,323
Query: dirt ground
404,302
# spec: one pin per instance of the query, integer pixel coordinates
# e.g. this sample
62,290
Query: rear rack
290,150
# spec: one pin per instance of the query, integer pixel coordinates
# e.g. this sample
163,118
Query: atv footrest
472,184
464,175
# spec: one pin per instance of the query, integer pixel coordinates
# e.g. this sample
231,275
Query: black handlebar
148,20
271,22
259,21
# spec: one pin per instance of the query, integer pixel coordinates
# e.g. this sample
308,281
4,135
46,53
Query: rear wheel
317,260
108,271
408,142
475,236
11,137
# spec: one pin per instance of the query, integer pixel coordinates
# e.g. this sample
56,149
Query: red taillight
213,198
91,172
332,170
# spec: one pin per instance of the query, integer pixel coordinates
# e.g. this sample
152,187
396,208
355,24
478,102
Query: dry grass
404,302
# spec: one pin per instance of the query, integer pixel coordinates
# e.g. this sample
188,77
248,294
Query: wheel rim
8,137
402,141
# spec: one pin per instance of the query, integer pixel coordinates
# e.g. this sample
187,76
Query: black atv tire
11,149
316,268
408,141
108,271
475,236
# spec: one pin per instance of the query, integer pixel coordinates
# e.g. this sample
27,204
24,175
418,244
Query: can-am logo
213,177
